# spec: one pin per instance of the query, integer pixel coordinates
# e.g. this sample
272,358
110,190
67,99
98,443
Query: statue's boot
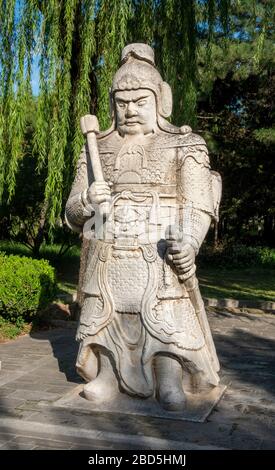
170,392
104,387
200,384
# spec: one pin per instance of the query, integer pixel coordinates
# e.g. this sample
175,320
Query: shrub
26,286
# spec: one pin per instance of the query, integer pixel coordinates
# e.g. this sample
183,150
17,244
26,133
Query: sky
35,75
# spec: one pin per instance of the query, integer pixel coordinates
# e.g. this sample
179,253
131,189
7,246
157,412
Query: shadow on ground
244,419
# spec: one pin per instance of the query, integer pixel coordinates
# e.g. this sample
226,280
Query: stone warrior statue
148,188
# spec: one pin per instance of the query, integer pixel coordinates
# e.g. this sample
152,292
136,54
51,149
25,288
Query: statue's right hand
98,193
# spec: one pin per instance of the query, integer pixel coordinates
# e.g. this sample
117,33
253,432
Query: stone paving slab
243,419
59,432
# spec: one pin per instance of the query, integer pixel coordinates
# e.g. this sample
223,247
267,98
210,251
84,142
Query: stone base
198,407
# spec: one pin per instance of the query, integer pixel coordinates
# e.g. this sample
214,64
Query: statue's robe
135,305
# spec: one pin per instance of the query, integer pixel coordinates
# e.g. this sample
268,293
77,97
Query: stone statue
144,196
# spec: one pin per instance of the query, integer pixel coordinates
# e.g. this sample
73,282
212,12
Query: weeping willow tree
77,44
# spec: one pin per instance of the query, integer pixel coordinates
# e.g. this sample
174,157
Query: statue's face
136,111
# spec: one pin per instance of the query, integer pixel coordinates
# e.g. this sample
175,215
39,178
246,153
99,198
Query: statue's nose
131,109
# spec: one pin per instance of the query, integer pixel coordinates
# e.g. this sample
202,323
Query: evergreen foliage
78,43
236,116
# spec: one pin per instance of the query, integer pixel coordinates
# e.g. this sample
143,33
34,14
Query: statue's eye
121,105
141,102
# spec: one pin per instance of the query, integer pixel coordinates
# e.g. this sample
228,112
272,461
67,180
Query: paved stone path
38,369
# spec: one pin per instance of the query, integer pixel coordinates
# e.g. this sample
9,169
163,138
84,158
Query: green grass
66,265
9,330
14,248
49,252
241,284
254,283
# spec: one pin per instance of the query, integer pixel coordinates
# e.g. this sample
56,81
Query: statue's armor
135,304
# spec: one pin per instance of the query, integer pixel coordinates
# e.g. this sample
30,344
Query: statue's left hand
183,257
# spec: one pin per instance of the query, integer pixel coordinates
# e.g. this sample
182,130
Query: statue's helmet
138,70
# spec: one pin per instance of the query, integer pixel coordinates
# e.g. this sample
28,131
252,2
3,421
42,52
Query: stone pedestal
198,406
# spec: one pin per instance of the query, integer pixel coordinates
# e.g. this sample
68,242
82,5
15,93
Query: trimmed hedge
26,286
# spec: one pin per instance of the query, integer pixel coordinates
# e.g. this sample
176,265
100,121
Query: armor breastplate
144,193
138,164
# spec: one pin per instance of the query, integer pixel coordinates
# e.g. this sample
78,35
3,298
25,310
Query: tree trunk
268,231
38,240
215,234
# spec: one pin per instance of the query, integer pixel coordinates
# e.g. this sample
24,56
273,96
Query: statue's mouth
131,123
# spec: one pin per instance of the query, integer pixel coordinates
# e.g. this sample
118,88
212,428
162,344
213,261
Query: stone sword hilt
90,128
